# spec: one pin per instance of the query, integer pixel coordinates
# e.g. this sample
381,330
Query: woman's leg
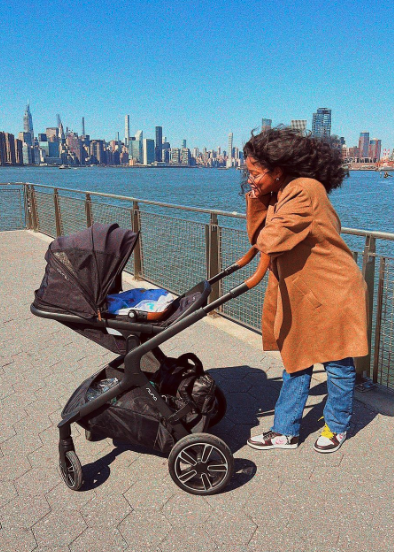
341,377
291,402
288,413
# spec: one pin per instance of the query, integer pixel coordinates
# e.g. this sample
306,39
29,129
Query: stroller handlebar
262,268
249,256
243,261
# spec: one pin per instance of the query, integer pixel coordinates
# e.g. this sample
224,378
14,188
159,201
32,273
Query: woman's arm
290,223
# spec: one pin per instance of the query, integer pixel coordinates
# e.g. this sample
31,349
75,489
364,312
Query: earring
278,179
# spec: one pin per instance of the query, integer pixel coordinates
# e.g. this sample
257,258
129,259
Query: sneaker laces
327,432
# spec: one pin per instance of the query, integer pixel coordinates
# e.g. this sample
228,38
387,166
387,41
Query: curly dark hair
298,155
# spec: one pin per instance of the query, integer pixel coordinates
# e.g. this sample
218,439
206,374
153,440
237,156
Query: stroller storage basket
133,417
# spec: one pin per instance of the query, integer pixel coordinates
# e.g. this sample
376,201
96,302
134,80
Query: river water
365,201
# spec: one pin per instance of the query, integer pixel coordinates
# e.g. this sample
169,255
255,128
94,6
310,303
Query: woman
315,306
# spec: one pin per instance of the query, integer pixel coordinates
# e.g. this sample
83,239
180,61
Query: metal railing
176,251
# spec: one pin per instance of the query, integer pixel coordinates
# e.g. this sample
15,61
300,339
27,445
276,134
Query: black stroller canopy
82,268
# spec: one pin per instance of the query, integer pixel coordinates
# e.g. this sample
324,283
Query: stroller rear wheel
201,464
72,471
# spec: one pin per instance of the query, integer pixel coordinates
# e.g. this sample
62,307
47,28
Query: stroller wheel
72,473
201,464
221,407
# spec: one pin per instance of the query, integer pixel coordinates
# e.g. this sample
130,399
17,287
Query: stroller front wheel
72,471
201,464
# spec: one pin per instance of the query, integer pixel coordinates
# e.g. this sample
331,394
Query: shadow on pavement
250,396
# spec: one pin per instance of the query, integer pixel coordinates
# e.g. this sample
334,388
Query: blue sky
198,69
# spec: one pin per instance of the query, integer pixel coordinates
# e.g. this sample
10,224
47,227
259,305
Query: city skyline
321,121
56,147
202,73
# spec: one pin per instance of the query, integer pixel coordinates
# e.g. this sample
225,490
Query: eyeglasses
252,179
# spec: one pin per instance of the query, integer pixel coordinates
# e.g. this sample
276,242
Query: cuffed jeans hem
335,428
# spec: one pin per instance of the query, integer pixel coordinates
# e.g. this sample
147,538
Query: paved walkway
278,501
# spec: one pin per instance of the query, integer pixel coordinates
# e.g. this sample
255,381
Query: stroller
160,402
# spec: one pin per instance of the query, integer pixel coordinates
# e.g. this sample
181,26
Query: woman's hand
254,192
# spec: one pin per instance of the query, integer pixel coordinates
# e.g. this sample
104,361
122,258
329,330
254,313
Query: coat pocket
306,291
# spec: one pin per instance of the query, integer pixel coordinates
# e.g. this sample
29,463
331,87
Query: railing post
136,226
88,210
33,206
378,325
58,218
213,249
26,202
363,364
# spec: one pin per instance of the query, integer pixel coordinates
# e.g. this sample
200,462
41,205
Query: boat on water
64,167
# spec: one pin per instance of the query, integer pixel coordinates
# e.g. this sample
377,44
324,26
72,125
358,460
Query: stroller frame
134,377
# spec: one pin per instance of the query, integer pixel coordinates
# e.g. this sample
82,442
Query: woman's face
262,180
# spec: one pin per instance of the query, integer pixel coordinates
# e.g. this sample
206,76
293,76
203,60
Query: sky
199,69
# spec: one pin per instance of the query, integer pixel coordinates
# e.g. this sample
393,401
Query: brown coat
315,307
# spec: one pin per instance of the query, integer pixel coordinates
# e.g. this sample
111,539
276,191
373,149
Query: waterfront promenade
290,501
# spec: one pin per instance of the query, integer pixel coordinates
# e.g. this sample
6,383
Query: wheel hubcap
201,467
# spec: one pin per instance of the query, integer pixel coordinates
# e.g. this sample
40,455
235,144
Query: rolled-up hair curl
298,155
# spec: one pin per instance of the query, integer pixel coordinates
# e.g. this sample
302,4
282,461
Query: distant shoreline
109,167
142,167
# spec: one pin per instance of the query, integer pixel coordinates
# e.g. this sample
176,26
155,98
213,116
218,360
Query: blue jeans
341,377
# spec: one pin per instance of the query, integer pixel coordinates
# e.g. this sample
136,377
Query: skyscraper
97,151
138,145
75,146
165,152
83,126
126,130
321,123
185,156
299,124
159,143
28,125
175,156
266,124
148,153
52,133
363,145
10,158
2,149
60,127
375,148
18,152
230,151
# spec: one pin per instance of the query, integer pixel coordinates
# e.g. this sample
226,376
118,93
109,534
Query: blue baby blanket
151,300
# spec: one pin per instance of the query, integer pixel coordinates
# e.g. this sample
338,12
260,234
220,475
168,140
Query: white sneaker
329,441
271,439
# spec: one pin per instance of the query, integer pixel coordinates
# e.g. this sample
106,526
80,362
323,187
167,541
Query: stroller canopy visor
82,269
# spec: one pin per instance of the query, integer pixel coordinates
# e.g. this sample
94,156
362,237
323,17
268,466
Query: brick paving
294,500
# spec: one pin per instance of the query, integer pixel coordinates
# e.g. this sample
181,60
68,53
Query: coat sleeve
256,213
290,224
